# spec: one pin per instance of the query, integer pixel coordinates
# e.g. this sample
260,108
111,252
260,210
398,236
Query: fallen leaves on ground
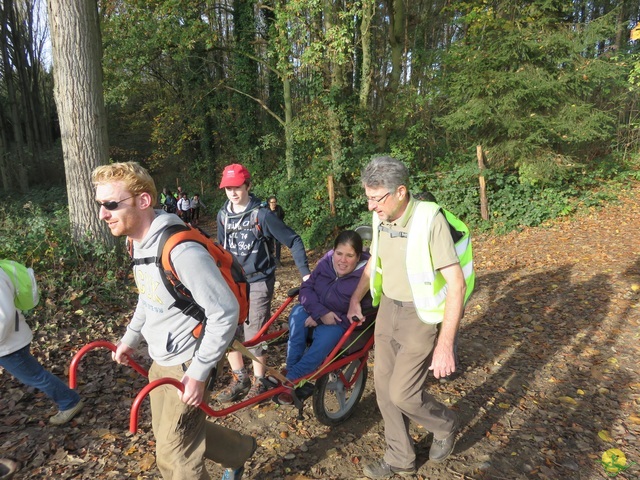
549,347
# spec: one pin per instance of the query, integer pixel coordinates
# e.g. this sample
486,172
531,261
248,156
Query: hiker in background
196,205
184,208
16,358
418,280
324,302
278,211
125,194
170,203
163,198
244,228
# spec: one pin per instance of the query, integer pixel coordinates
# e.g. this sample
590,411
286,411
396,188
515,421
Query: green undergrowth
87,277
516,200
75,280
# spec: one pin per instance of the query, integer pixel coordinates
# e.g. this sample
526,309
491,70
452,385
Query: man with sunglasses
126,194
415,275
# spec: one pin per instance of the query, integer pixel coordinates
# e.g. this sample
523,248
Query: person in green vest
163,197
420,273
16,357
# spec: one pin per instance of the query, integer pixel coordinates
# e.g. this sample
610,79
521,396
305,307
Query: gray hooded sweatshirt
166,329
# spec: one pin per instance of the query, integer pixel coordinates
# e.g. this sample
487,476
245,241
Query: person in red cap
245,228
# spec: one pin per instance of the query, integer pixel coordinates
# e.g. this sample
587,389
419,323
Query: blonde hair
135,178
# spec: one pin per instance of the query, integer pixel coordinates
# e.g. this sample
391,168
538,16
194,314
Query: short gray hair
385,172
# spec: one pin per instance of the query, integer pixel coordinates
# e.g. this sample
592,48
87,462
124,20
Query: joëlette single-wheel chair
338,383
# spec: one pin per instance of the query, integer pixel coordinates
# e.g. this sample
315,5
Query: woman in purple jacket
324,302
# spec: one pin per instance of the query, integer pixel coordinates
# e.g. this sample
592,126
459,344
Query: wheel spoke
339,393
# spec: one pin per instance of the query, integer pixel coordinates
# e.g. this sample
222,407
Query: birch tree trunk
77,75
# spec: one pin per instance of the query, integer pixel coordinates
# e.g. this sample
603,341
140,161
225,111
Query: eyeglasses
273,202
112,204
378,200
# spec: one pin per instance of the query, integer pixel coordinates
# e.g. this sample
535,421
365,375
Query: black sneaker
381,469
441,449
236,390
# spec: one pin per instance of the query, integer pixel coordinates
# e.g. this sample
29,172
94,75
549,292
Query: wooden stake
484,204
332,195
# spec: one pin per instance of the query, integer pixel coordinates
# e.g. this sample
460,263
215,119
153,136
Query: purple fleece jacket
325,292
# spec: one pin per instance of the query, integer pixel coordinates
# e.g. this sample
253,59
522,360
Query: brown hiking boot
235,390
258,386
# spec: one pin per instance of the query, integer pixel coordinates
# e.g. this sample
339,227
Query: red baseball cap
234,175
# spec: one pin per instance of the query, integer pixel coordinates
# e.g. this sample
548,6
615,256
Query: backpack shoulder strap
254,223
171,238
392,233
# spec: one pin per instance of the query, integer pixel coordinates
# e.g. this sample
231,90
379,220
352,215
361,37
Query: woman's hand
310,322
330,318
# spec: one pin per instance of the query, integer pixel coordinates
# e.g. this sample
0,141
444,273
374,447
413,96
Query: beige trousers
184,437
402,349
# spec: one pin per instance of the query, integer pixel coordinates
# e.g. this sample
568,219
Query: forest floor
550,348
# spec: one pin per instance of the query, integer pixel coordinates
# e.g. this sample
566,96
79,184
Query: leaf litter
549,349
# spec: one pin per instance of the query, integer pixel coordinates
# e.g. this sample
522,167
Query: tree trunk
397,23
20,160
336,75
20,39
396,41
368,9
77,74
4,155
288,129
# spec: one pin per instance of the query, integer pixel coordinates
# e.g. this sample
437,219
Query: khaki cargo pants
184,437
403,345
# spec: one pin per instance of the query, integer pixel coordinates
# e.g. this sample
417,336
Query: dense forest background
304,92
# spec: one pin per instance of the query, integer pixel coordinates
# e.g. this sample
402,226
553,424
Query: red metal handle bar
259,336
135,407
73,367
133,421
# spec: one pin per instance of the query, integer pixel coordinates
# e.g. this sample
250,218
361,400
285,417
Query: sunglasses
112,204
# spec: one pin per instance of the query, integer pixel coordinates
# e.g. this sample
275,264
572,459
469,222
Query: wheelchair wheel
333,400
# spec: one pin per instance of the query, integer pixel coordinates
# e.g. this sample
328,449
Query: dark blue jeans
300,360
22,365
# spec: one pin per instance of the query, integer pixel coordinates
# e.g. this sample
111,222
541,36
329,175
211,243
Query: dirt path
550,349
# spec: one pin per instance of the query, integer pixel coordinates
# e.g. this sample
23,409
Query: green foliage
522,87
540,84
306,202
35,231
515,201
456,188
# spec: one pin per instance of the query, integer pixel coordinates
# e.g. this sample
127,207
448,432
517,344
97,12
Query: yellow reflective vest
428,287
